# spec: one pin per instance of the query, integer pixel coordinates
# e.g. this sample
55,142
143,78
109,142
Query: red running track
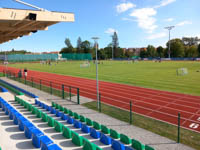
160,105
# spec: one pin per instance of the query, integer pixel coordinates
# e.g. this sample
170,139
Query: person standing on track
25,72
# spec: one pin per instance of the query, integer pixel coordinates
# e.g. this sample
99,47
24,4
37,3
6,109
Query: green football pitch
148,74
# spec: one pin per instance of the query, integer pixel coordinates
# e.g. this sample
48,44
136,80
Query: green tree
199,49
151,51
86,46
176,48
68,43
160,51
192,52
143,54
79,41
108,52
115,44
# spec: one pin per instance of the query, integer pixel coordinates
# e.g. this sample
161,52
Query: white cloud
183,23
157,36
110,31
128,19
145,19
169,20
124,7
164,3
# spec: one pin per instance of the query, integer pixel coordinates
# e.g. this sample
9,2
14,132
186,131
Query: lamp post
97,82
169,28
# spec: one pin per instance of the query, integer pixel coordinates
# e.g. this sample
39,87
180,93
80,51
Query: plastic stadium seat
76,116
114,134
77,124
57,106
116,145
66,111
15,118
128,148
58,113
64,116
39,113
34,109
53,104
105,139
96,125
85,128
44,117
58,126
36,137
71,113
82,118
137,145
36,102
105,130
90,146
125,139
50,121
45,142
61,108
28,128
21,121
54,147
53,111
76,139
67,132
94,133
70,120
148,147
89,122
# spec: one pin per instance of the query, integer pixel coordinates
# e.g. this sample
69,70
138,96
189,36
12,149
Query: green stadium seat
96,125
66,111
53,104
61,108
89,122
148,147
39,113
50,121
67,132
57,106
34,110
29,107
105,130
137,145
76,116
89,146
125,139
71,113
44,117
76,139
82,118
58,126
114,134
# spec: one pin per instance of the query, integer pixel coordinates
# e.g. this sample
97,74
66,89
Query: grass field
144,73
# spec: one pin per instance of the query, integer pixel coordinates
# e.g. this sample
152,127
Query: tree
160,51
79,41
192,52
199,49
143,53
115,44
176,48
151,51
86,46
68,43
108,52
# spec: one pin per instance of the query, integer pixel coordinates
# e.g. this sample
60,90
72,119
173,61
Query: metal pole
78,97
131,112
99,102
169,46
178,136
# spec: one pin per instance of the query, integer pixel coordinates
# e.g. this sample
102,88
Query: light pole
97,82
169,28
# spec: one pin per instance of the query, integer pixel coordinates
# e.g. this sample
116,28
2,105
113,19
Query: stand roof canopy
15,23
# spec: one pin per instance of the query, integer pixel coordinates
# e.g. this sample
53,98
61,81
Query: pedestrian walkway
145,137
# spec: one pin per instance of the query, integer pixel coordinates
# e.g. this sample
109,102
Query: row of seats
30,131
3,90
59,127
106,132
11,88
107,136
19,89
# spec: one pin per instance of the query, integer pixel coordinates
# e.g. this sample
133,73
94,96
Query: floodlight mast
169,28
33,6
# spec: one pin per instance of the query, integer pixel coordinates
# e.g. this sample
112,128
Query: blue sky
137,22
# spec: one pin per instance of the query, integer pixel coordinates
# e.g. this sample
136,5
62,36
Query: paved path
144,136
